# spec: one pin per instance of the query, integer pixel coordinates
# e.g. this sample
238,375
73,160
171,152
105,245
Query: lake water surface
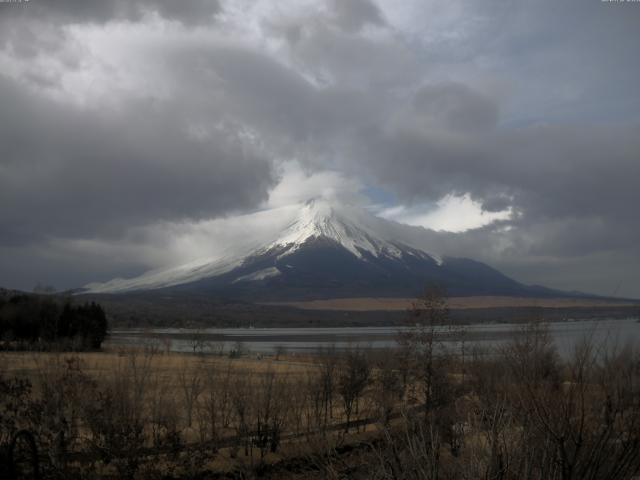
566,335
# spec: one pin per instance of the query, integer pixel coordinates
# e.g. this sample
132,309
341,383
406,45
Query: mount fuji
326,250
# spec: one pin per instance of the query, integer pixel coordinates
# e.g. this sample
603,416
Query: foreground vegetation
417,412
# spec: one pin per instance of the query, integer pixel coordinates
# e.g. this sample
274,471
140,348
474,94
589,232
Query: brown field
148,413
213,403
366,304
105,363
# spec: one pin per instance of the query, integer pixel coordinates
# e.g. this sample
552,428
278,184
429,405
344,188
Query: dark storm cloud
325,48
76,173
565,255
292,117
38,27
577,186
355,14
532,107
102,11
547,171
456,107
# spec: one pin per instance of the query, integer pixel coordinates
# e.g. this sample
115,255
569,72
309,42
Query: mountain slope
326,251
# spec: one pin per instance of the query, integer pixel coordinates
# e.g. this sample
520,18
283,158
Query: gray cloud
530,107
456,107
102,11
355,14
70,172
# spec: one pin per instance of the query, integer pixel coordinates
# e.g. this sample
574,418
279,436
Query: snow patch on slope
259,275
167,277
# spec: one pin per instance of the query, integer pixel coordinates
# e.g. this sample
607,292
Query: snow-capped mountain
324,250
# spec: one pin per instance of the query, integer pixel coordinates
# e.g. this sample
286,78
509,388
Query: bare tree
583,420
242,401
198,341
270,408
116,415
328,373
191,386
353,378
389,388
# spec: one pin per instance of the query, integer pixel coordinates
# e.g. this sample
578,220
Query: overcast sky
133,133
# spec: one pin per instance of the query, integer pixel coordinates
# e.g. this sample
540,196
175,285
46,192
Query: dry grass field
106,363
175,412
410,413
399,304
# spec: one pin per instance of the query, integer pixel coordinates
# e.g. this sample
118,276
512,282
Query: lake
268,340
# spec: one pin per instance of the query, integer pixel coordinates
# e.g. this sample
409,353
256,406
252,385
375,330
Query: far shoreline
368,304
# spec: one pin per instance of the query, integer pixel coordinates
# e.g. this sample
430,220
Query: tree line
28,320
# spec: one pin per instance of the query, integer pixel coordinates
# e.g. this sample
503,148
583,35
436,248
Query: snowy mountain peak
353,228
